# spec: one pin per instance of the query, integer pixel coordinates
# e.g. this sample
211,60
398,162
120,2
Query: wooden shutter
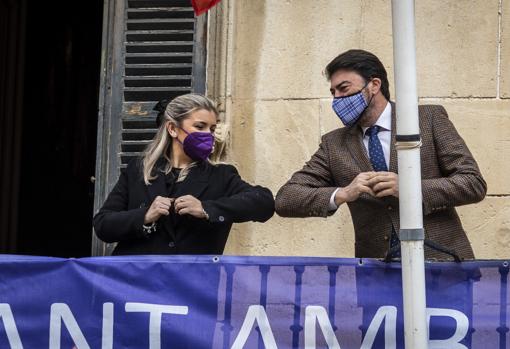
153,49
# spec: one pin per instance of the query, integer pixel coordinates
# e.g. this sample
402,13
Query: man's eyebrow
342,83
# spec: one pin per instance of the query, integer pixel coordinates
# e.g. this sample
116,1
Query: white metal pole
410,196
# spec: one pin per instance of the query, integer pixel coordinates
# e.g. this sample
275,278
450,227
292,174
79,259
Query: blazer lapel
359,152
357,149
393,150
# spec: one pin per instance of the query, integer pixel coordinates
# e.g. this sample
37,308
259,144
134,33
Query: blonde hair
176,112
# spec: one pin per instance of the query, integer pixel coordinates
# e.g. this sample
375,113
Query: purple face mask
198,145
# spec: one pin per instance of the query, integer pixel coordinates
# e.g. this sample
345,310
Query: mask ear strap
182,129
178,128
370,101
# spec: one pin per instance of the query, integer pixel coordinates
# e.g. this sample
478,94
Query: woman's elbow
268,206
100,230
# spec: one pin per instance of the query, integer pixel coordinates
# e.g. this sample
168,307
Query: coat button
171,244
390,207
386,237
221,218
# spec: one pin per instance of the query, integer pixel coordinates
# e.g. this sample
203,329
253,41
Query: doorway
59,127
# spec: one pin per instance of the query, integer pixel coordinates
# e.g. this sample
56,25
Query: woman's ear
172,129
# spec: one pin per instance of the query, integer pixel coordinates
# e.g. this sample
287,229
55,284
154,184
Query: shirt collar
384,120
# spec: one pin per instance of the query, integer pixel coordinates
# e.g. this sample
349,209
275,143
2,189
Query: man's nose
337,94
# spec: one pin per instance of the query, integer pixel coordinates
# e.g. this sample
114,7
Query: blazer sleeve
461,182
114,221
309,190
242,202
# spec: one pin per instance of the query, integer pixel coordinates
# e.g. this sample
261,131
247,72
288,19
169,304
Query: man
357,165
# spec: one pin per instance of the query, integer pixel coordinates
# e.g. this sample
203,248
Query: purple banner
242,302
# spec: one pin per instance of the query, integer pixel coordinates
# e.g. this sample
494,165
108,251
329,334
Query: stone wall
266,63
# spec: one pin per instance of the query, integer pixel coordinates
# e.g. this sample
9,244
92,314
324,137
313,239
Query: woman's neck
179,158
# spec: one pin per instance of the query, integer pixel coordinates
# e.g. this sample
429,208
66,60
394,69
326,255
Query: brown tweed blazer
450,177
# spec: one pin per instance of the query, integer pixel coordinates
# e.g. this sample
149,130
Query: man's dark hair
362,62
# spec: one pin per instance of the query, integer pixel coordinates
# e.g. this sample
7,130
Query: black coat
224,195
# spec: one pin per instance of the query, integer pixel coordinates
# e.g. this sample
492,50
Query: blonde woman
173,200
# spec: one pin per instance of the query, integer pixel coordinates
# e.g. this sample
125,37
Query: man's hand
359,185
384,184
188,204
159,207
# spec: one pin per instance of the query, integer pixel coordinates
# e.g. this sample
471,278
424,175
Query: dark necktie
375,149
376,154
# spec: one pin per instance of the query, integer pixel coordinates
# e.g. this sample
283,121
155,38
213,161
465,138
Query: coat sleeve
309,190
242,202
114,221
461,182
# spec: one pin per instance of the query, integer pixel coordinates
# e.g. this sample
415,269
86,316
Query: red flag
201,6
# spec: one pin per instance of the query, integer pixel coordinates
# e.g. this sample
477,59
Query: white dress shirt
384,123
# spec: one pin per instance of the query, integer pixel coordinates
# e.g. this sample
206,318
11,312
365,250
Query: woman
173,200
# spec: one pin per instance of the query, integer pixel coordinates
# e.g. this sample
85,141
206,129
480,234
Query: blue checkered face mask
350,108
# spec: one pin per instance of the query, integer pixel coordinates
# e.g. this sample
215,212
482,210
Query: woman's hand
188,204
159,207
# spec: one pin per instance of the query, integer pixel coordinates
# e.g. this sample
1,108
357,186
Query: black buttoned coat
224,195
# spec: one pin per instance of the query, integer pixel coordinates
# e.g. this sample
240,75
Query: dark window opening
59,127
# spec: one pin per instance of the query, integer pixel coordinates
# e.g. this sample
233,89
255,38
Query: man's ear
375,85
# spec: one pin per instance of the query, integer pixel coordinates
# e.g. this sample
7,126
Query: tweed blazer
450,177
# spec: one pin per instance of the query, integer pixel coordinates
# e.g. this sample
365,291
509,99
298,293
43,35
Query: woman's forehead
204,116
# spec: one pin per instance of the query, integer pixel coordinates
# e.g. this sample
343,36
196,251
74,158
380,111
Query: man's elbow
282,203
286,203
475,188
480,189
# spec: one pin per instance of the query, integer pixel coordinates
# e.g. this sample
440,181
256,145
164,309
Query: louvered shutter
153,49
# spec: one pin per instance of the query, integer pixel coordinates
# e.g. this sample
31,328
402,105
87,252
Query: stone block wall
265,68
